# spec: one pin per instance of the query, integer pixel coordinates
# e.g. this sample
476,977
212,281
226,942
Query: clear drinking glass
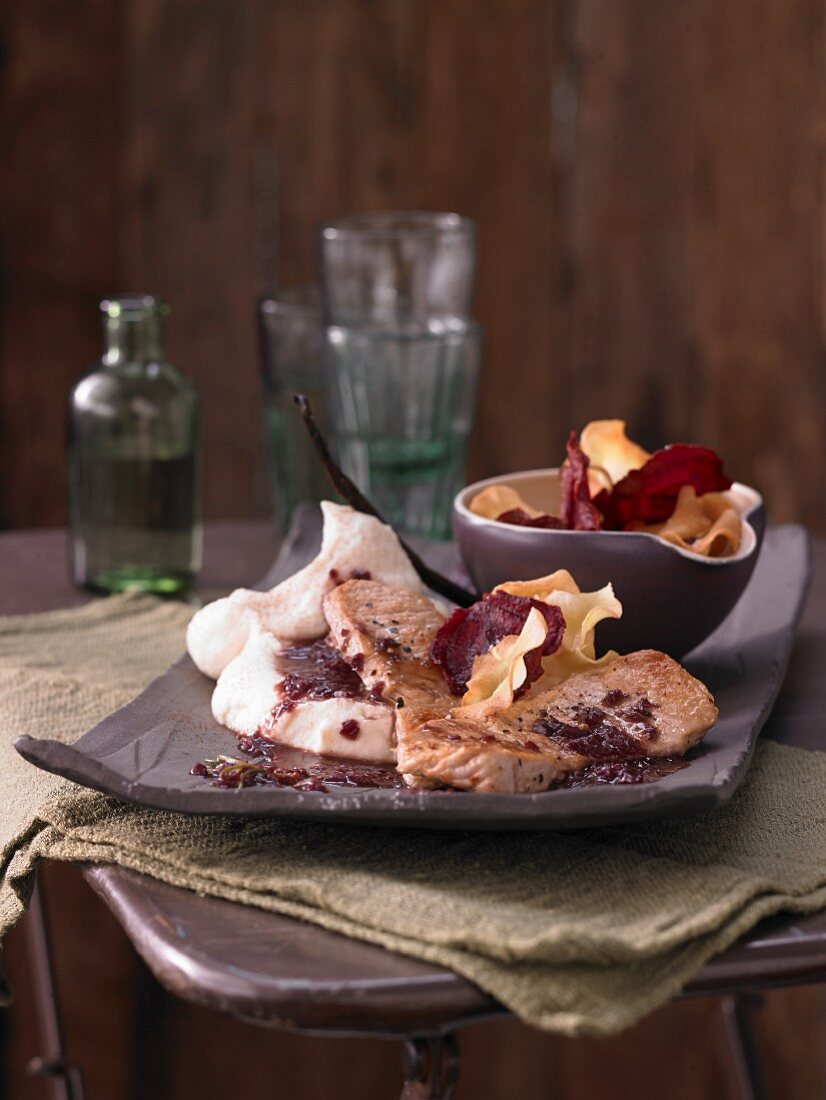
402,358
291,342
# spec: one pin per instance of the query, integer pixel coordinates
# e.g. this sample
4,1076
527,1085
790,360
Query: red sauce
595,731
311,783
350,729
601,741
619,758
622,772
317,671
614,698
267,764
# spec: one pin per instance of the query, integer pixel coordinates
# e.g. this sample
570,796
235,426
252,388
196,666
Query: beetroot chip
649,495
472,631
518,517
576,509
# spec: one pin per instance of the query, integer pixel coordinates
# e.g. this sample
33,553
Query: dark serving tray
144,751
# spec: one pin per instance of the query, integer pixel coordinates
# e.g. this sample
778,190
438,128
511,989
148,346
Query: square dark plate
143,752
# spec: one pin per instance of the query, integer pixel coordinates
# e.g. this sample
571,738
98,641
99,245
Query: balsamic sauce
314,671
266,763
599,735
648,769
319,672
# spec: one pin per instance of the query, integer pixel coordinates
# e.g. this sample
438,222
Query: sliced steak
385,634
643,704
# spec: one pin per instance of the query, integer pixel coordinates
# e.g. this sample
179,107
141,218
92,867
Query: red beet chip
472,631
576,509
518,517
649,495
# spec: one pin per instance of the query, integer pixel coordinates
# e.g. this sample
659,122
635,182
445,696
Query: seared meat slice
385,634
643,704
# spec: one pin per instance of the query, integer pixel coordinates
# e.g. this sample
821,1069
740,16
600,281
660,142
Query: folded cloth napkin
576,933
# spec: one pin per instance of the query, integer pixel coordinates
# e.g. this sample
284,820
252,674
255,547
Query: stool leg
65,1080
431,1067
741,1047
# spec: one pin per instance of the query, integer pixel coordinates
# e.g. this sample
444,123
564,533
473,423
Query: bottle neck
133,340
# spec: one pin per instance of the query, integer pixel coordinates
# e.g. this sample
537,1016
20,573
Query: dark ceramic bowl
672,599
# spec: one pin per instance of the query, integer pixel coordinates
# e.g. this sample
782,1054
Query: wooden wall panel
629,216
58,132
185,217
695,233
648,182
761,243
337,93
486,150
433,106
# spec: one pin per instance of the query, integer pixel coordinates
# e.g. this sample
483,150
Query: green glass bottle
134,449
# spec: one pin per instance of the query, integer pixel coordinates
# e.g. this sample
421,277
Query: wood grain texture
95,967
336,92
648,182
185,228
136,1041
694,233
58,122
762,245
447,107
628,219
486,150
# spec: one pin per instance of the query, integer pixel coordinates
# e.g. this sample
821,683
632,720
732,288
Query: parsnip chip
582,612
607,446
687,522
599,479
708,525
499,674
723,538
560,581
496,499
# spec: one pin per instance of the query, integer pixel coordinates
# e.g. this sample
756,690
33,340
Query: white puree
234,641
315,726
247,691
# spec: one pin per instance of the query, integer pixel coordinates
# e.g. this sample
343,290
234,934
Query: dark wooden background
648,179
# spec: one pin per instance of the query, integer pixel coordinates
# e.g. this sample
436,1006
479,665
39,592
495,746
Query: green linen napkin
576,933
